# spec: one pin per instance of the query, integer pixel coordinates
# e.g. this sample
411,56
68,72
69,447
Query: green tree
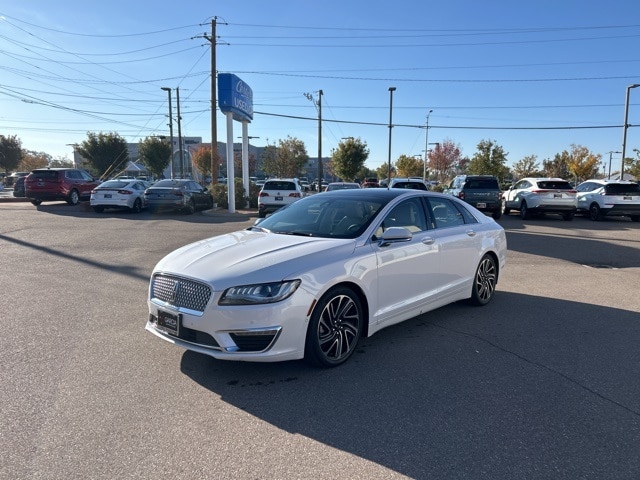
382,171
106,153
409,166
32,160
349,158
527,167
634,166
155,154
582,163
10,153
286,160
61,162
558,167
490,159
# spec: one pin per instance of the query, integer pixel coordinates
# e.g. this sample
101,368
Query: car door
408,271
514,195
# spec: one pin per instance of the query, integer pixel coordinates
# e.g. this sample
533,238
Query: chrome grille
180,292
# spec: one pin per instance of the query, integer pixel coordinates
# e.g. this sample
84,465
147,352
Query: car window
408,214
446,214
85,176
73,174
277,185
622,189
45,174
482,184
113,184
555,185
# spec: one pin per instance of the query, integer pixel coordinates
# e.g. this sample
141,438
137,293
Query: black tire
262,214
98,209
137,206
635,218
36,202
524,211
594,212
505,210
484,281
568,216
73,198
335,328
190,208
497,214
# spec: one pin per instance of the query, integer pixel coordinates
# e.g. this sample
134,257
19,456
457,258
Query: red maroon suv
68,184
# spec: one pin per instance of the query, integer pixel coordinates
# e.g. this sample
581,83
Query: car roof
605,181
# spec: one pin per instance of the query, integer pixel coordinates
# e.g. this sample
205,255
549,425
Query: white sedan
313,278
126,193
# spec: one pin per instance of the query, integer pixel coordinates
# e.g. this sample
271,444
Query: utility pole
214,124
180,133
319,105
168,90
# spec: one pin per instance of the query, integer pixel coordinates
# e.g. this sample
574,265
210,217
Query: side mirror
394,235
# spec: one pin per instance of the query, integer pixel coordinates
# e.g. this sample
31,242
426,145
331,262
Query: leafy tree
527,167
237,163
582,163
32,160
490,159
558,167
349,158
10,153
383,171
409,166
443,159
634,165
106,153
155,154
366,172
61,162
201,159
285,160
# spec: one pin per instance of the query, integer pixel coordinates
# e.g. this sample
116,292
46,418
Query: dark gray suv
480,191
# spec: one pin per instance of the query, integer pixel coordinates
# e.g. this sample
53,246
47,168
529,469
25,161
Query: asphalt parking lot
541,383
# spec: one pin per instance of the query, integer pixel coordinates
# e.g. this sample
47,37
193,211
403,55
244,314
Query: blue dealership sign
235,97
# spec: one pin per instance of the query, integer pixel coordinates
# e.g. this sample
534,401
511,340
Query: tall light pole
391,90
168,90
624,128
318,104
610,154
426,149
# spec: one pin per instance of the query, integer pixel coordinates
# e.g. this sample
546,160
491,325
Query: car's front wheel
36,202
73,197
335,327
594,212
524,211
484,281
190,208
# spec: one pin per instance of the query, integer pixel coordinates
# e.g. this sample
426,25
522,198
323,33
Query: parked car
68,184
411,183
18,187
603,198
13,178
370,183
341,186
315,277
178,194
539,196
276,193
120,194
481,191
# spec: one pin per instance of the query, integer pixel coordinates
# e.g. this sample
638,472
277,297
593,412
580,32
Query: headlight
260,293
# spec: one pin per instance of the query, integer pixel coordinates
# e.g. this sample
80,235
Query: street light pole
624,128
426,149
610,154
168,90
391,90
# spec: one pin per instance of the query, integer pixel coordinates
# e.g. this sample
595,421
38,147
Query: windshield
325,216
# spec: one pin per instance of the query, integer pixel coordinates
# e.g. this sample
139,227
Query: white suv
276,193
601,198
540,195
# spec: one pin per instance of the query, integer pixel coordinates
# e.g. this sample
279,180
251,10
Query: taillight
263,194
125,192
294,194
461,195
499,195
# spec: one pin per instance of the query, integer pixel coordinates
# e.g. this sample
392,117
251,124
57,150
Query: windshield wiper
297,233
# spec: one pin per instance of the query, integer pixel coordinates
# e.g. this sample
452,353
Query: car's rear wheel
98,209
635,218
485,281
73,197
568,216
497,214
594,212
36,202
505,209
137,206
334,329
524,211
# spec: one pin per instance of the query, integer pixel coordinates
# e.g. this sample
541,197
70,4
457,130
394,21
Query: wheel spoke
338,327
486,279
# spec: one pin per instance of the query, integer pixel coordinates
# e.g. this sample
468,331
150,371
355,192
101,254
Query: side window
73,174
85,176
409,214
446,214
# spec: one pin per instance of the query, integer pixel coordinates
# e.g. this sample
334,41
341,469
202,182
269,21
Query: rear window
622,189
45,174
555,185
484,184
279,186
410,185
114,184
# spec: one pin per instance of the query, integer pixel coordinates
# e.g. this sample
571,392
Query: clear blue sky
524,74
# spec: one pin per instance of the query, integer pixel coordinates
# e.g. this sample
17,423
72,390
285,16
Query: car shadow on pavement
461,392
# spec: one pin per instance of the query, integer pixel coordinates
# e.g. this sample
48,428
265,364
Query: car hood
248,257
